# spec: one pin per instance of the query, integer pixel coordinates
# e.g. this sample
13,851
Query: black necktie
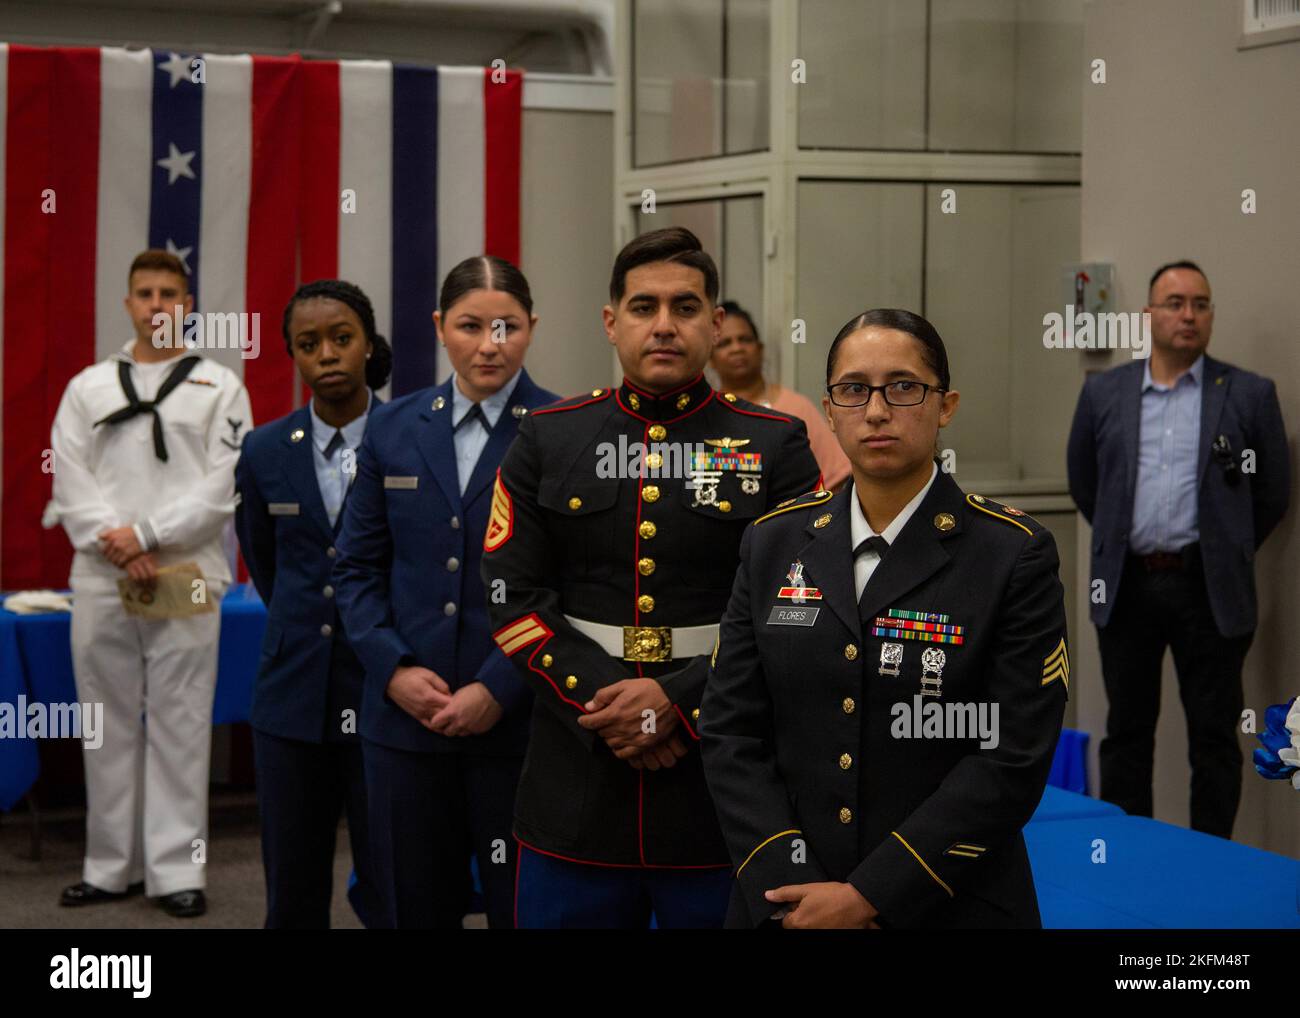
874,543
135,405
475,413
879,545
334,445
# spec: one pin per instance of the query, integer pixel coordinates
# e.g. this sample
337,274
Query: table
36,662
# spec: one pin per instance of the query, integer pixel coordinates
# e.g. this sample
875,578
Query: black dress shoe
88,894
184,904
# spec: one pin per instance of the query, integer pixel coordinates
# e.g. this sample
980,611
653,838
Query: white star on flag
182,253
176,66
177,164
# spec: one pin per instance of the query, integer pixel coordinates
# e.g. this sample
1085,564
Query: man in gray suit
1180,463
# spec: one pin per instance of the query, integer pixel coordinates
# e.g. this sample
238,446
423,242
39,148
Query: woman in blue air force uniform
445,717
293,477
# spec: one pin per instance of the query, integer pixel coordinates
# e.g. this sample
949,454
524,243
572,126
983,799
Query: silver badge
749,485
439,403
891,654
705,483
518,411
932,662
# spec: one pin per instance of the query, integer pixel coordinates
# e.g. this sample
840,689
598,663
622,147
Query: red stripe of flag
273,226
49,308
319,189
502,112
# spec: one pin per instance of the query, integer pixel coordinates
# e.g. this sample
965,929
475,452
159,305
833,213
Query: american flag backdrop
259,173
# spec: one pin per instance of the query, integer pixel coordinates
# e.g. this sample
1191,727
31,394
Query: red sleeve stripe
520,634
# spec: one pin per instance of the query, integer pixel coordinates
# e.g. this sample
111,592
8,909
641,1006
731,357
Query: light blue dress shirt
331,477
1164,501
471,439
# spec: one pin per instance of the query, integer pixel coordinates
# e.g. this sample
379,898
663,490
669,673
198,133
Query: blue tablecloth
1156,874
36,662
1058,804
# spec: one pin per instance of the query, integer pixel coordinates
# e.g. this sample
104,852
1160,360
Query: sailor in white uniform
145,444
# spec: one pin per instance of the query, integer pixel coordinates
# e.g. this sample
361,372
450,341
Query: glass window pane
859,248
700,86
1003,75
866,74
993,270
1006,75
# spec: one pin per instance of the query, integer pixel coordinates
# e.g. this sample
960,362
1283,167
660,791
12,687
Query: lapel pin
439,402
296,435
822,520
518,411
945,521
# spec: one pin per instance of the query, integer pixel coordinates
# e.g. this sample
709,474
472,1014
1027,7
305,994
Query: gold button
645,566
546,660
848,705
654,461
944,521
571,682
646,603
724,506
658,432
647,529
730,397
695,714
650,493
822,520
683,401
846,761
846,815
634,401
851,651
575,502
597,392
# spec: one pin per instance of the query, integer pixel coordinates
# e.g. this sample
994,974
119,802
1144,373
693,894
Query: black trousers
428,813
1155,610
302,789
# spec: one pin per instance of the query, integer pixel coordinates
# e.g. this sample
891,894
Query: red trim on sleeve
682,714
587,402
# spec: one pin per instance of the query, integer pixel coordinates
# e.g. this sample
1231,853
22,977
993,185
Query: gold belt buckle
647,643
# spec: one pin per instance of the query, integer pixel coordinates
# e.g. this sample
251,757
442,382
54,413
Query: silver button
328,591
449,608
327,630
455,523
331,551
453,564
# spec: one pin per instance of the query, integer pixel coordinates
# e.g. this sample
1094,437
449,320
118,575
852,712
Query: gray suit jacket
1233,520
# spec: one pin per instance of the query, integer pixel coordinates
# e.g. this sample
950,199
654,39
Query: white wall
1183,124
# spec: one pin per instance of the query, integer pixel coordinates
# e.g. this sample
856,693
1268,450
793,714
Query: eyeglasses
1175,305
904,392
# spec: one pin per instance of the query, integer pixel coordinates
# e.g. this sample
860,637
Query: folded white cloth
34,602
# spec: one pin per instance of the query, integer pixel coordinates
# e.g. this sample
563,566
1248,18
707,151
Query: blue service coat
308,675
407,573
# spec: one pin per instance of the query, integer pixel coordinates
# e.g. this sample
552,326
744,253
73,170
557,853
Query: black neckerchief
135,405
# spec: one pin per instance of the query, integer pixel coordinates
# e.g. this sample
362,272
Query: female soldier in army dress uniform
891,673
